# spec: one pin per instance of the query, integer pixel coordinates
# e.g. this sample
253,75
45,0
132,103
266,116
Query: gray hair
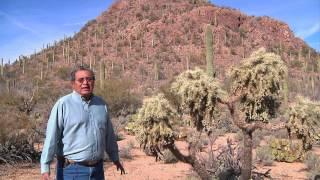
80,68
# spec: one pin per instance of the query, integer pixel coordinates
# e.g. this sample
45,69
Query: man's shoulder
99,99
65,98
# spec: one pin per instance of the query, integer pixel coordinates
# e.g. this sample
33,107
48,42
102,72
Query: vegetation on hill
137,46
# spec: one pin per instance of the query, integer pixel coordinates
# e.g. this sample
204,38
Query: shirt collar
79,98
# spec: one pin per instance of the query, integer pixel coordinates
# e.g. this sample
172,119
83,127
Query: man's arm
112,146
45,176
53,133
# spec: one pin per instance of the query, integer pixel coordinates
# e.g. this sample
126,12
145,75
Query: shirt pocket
77,119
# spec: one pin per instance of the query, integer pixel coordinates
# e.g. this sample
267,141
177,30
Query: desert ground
142,167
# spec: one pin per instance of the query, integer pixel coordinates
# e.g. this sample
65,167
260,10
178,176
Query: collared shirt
79,130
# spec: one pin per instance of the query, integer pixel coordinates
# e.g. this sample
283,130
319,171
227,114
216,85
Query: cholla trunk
192,160
246,160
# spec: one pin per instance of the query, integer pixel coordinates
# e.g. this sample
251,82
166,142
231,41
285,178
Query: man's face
84,83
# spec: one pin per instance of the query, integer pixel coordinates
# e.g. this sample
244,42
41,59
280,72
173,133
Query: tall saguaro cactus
209,51
285,90
102,74
23,65
2,68
156,71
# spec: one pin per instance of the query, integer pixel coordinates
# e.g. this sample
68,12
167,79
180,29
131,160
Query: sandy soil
142,167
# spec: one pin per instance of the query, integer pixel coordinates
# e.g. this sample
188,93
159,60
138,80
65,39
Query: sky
26,25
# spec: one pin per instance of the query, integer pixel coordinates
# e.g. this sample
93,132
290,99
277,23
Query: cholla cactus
258,81
155,121
304,121
199,95
284,150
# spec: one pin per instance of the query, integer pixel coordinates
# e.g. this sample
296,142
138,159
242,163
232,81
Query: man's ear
72,84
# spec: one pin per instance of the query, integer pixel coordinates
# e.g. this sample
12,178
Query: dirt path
142,167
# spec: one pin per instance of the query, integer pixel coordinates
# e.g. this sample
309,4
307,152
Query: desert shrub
131,144
125,152
168,157
120,99
257,137
314,175
17,130
312,161
304,121
224,161
286,150
281,134
238,137
131,126
119,124
17,148
296,64
63,73
264,155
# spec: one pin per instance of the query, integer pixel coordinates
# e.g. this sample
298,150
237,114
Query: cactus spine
209,51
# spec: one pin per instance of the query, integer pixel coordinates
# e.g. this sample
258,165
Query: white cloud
17,23
305,33
74,24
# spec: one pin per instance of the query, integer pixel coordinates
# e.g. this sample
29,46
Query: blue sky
25,25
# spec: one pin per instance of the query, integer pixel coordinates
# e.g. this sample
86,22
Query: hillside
139,46
149,42
136,48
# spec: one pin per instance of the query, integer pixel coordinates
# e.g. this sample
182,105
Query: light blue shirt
79,130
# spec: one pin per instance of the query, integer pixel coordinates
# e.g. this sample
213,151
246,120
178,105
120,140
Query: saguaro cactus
23,65
286,90
41,71
8,86
209,51
2,68
102,74
156,71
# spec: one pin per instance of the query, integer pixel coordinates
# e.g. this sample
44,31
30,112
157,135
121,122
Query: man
79,132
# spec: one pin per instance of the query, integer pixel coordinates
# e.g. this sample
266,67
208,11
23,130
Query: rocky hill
148,42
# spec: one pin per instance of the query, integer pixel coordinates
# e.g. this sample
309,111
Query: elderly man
79,132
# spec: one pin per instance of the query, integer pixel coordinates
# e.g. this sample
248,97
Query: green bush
264,155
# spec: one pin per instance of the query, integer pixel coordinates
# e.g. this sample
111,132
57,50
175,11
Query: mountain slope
151,41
